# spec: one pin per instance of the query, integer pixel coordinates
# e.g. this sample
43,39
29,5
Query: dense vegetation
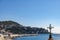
16,28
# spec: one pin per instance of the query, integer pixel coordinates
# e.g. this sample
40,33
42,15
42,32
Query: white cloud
56,30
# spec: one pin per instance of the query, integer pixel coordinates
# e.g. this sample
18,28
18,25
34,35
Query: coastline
12,36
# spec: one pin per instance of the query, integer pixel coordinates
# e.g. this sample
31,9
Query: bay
39,37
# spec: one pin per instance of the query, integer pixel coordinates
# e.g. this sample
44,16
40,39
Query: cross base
50,39
50,36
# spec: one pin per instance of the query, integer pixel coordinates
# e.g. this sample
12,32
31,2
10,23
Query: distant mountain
16,28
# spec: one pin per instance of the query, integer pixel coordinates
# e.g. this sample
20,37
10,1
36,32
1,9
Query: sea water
39,37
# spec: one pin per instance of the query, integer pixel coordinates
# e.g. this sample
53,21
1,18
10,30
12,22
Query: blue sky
35,13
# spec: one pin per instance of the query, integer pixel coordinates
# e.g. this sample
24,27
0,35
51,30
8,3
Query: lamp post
50,35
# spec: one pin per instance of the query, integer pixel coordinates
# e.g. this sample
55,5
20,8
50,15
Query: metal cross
50,27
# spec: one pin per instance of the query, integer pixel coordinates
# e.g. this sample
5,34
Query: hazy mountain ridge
16,28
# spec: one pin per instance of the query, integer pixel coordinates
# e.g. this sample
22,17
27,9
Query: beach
12,36
1,37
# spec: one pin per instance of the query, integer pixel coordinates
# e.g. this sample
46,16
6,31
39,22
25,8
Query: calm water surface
39,37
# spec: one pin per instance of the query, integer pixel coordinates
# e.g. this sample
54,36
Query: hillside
16,28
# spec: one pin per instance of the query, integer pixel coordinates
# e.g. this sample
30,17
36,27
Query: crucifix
50,28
